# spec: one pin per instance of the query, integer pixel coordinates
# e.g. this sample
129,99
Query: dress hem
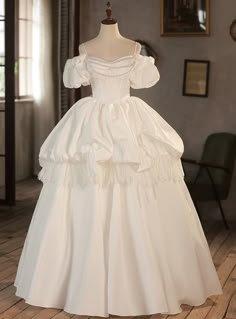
66,309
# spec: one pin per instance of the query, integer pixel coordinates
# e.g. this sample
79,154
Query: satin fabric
114,230
121,250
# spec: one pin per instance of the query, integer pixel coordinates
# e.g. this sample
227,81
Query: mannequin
109,43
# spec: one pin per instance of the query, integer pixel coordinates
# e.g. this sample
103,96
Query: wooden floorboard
14,223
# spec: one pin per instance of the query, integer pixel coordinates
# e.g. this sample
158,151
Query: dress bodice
111,80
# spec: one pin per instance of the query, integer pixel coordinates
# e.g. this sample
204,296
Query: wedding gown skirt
114,230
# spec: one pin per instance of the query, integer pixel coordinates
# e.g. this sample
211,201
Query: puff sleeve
145,73
75,72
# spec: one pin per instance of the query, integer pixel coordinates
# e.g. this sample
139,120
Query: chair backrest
220,148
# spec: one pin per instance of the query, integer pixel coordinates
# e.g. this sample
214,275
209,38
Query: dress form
109,44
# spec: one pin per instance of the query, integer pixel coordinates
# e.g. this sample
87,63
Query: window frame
17,53
9,109
17,58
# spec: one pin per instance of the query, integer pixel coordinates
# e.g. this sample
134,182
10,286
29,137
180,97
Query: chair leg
218,199
222,212
198,211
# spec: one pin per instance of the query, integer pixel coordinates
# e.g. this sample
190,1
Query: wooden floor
14,223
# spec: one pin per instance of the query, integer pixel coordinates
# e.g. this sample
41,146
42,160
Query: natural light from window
25,47
23,44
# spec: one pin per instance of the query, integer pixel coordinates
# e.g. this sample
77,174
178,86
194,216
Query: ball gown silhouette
114,230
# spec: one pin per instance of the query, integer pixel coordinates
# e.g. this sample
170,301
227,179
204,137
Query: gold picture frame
185,17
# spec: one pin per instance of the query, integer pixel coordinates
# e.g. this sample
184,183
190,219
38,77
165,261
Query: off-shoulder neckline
134,55
110,61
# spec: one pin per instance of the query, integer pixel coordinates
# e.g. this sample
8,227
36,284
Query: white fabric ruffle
75,74
145,74
106,143
83,173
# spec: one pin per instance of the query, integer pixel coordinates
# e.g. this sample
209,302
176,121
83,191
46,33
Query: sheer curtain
46,73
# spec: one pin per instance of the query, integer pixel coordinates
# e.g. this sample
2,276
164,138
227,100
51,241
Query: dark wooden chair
214,171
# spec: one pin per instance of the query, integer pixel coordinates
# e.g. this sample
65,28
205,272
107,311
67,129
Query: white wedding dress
114,229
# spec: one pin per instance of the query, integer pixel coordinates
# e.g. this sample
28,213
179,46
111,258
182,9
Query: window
23,45
24,48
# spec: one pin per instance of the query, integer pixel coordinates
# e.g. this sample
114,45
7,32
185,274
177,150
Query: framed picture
196,78
185,17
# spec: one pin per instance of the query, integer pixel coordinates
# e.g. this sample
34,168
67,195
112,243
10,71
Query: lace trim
79,174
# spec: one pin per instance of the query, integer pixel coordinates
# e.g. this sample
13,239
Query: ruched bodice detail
110,80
